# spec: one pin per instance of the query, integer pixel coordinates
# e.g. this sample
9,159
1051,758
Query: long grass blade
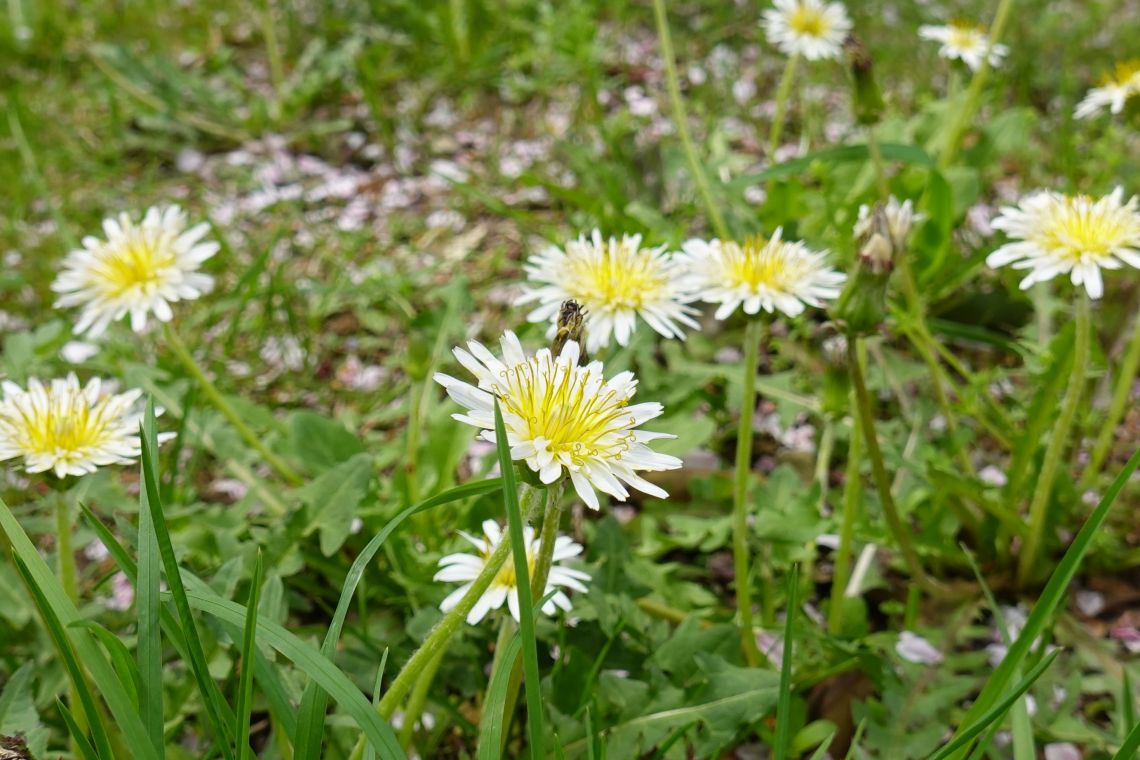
76,732
966,736
280,703
102,743
121,658
494,721
211,696
1131,747
147,586
314,702
1048,602
245,682
315,665
123,709
784,705
522,577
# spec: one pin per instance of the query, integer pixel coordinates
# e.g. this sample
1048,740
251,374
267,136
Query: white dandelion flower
964,42
812,28
1075,235
139,269
769,274
1113,93
465,568
69,429
615,281
901,219
562,418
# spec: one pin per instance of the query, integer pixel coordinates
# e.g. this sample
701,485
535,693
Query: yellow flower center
138,265
758,263
561,405
1079,229
809,22
506,576
622,279
965,36
1125,73
67,428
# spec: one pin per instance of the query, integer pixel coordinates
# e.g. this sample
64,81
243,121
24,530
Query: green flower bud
862,305
867,99
836,380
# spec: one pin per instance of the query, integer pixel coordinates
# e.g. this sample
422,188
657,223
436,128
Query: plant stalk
415,706
682,121
227,410
752,336
894,519
852,490
1058,441
783,93
1121,391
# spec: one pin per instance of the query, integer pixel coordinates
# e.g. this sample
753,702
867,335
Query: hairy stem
783,93
227,410
1058,441
852,489
740,553
1125,377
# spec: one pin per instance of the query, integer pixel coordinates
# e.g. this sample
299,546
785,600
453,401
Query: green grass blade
211,696
306,657
1127,706
522,575
494,721
664,747
78,680
245,682
784,705
76,732
966,734
314,702
280,703
121,658
821,750
123,709
370,751
147,585
1131,747
1051,597
1024,746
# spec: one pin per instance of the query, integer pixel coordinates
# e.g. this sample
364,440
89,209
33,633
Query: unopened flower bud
836,381
867,100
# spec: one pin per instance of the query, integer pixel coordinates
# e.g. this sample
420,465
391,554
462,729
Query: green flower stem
1039,506
682,121
551,517
852,490
437,639
273,53
878,164
1125,376
924,342
965,114
783,92
65,549
894,519
222,405
415,706
752,337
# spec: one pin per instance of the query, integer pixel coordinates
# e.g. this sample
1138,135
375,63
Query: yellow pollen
1079,229
506,576
1126,72
965,35
138,265
620,279
73,429
808,21
761,264
578,421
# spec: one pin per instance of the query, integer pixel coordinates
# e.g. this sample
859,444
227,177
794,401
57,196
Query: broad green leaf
333,499
321,443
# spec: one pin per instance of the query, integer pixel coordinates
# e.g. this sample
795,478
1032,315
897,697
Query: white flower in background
900,218
812,28
140,269
67,428
1113,92
1075,235
615,281
465,568
914,648
965,42
561,417
760,274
